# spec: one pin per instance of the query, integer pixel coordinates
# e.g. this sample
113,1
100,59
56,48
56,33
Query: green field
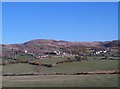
51,60
7,59
61,81
25,57
18,68
82,66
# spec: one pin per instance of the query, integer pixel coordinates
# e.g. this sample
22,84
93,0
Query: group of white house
25,51
45,56
99,52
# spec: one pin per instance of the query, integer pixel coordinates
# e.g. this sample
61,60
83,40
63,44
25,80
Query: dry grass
61,81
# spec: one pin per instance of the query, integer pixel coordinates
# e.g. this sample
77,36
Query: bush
77,58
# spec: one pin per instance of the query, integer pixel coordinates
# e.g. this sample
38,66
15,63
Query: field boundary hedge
58,73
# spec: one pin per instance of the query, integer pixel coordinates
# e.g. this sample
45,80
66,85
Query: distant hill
40,46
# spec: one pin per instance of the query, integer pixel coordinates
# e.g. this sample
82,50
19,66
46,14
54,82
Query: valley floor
102,80
61,81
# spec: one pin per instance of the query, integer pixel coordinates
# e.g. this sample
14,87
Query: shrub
77,58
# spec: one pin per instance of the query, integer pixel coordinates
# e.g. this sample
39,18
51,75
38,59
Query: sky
83,21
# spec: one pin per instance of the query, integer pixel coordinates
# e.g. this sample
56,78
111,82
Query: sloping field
51,60
18,68
25,57
82,66
61,81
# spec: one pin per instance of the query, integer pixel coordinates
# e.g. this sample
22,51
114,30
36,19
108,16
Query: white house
26,51
99,52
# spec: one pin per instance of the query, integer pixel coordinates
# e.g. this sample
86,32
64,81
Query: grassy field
51,60
61,81
25,57
7,59
82,66
18,68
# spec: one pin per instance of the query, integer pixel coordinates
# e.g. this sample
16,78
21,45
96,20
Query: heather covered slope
39,46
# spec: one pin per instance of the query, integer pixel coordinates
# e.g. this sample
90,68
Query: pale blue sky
59,21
